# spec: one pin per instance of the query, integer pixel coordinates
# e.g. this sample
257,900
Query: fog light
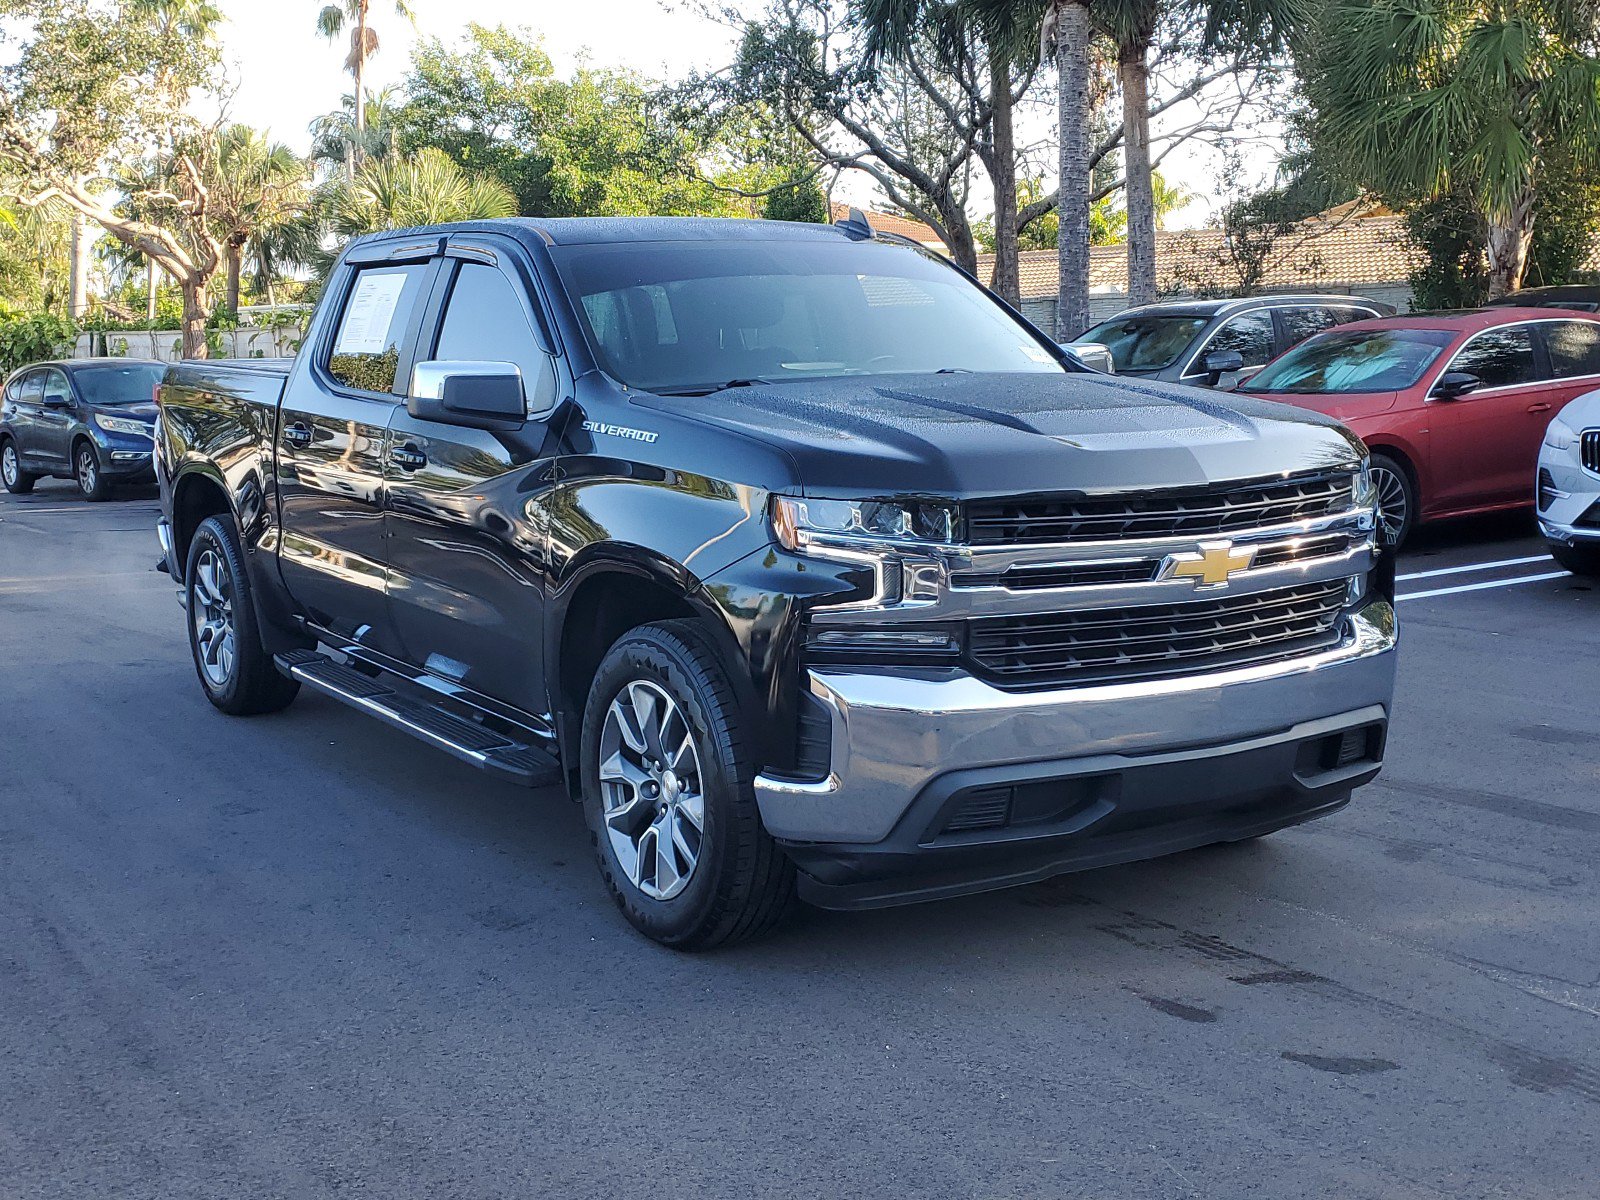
129,455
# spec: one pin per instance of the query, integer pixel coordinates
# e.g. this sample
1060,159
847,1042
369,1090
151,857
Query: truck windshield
134,383
697,316
1360,360
1148,342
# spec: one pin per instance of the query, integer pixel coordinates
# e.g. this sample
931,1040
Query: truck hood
976,435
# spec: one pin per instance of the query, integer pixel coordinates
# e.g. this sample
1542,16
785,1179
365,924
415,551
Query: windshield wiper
707,389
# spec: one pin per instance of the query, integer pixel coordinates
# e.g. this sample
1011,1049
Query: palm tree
1426,97
335,138
427,188
258,190
331,21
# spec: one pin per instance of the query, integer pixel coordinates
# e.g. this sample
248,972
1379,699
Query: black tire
1393,478
17,481
91,480
1580,560
251,684
741,884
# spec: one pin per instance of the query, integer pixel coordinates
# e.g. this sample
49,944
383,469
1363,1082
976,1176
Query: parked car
1211,342
1452,405
1579,297
91,420
799,560
1568,489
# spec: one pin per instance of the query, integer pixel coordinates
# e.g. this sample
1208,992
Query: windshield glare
1146,343
691,316
110,386
1363,360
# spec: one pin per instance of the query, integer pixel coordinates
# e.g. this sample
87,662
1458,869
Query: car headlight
1560,435
123,425
802,523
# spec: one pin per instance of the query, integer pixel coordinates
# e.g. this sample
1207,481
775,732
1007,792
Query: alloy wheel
88,471
652,790
10,468
1393,508
211,610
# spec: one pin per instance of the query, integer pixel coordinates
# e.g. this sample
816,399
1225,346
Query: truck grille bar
1198,512
1152,641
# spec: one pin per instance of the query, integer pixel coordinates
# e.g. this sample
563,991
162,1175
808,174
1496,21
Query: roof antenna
855,226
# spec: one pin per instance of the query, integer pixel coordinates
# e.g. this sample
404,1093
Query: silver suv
1569,485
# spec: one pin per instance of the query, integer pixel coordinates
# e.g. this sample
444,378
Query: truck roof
578,231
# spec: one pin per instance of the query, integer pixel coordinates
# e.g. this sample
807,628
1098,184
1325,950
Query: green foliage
800,199
1566,226
424,188
370,372
29,339
1450,234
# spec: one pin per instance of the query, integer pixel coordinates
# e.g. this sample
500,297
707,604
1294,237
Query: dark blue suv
92,420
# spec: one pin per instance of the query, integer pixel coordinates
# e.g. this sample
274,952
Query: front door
332,442
57,412
466,549
1479,440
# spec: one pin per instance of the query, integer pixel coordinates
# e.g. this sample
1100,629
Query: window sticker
370,313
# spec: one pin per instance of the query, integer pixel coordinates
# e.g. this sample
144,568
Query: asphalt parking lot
304,955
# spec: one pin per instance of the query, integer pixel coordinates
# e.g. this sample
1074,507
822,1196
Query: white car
1569,485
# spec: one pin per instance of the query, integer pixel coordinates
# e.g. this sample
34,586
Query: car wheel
1580,560
235,670
1397,499
86,470
669,796
18,482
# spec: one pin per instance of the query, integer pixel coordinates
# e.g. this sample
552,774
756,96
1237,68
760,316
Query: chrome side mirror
477,395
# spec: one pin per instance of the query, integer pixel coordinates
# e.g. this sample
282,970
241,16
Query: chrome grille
1590,443
1197,512
1153,641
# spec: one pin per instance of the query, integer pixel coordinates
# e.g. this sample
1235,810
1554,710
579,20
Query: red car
1453,405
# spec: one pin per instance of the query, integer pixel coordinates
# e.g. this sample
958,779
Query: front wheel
1580,560
18,482
235,670
86,470
1397,499
669,796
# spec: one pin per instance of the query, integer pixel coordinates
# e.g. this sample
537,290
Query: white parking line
1480,587
1471,567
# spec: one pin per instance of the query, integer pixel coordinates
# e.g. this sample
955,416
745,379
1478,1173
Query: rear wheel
18,482
235,670
1580,560
1397,498
669,797
86,470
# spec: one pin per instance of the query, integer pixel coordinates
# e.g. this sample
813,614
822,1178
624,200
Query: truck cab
805,565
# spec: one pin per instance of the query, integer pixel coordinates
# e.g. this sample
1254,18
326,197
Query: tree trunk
194,321
81,249
1509,239
152,276
235,272
963,247
1007,278
1139,182
1072,207
358,70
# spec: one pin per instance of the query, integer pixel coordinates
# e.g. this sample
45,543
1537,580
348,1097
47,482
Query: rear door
26,398
332,438
1573,350
466,558
1485,444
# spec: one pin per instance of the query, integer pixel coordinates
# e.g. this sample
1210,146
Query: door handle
298,434
408,457
1539,406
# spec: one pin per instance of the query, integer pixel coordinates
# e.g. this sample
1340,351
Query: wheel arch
196,495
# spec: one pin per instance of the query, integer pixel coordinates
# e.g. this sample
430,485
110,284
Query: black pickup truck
801,561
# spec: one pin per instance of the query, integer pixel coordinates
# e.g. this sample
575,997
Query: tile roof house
1345,250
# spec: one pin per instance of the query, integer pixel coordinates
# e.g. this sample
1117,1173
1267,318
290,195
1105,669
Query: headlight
800,523
1560,435
123,425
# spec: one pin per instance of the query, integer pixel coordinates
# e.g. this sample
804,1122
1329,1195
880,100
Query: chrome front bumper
893,736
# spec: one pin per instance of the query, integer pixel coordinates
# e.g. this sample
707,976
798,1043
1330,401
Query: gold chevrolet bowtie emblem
1212,566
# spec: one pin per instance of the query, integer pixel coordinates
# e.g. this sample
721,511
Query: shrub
28,339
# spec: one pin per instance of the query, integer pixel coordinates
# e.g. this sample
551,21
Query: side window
377,313
484,321
56,386
1301,322
1249,333
1499,357
33,387
1574,348
1343,314
14,388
